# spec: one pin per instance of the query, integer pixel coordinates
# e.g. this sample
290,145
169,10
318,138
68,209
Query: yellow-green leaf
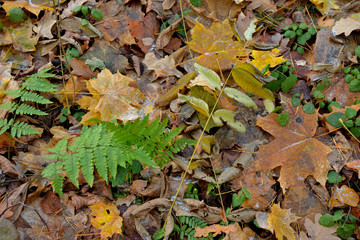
172,93
240,97
228,117
198,104
247,81
211,76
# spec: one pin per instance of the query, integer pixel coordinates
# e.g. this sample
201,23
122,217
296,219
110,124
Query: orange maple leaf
294,149
106,218
216,44
278,220
215,228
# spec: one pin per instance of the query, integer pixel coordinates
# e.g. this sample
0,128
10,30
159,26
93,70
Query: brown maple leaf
294,148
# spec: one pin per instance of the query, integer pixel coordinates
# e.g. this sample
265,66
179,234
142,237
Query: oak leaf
294,148
315,231
112,98
279,221
106,218
263,58
216,47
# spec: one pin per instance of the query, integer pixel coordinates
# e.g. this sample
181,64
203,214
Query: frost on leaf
216,45
112,98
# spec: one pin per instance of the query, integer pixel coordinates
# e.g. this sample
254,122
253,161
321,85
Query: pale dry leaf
315,231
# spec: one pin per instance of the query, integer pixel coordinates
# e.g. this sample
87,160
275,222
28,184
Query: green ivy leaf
309,108
333,119
283,119
288,83
350,113
97,14
17,15
354,85
196,3
326,220
357,51
333,177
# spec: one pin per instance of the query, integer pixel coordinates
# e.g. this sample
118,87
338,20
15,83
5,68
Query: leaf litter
217,69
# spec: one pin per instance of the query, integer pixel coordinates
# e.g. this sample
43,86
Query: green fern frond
34,97
19,129
37,82
24,109
107,146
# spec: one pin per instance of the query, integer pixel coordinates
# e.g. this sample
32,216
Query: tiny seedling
285,78
333,177
239,198
345,222
96,13
352,77
302,32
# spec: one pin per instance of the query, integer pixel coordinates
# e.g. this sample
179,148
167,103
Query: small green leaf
312,30
76,9
349,123
97,14
237,201
347,69
84,22
296,101
246,192
333,177
303,26
288,83
301,40
357,51
318,94
196,3
354,86
357,122
350,113
17,15
299,32
283,119
326,220
333,119
84,10
300,50
294,26
286,28
309,108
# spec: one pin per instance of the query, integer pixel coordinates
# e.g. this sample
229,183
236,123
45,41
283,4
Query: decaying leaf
347,25
217,49
294,148
278,220
106,218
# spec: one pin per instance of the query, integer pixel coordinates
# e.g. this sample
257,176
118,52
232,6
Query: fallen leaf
347,25
354,165
317,232
112,98
45,24
345,195
263,58
243,234
163,67
34,8
106,218
215,228
278,220
325,6
294,148
50,204
23,38
216,47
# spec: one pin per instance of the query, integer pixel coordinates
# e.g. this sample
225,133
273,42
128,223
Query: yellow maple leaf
279,221
263,58
325,6
216,45
112,98
106,218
